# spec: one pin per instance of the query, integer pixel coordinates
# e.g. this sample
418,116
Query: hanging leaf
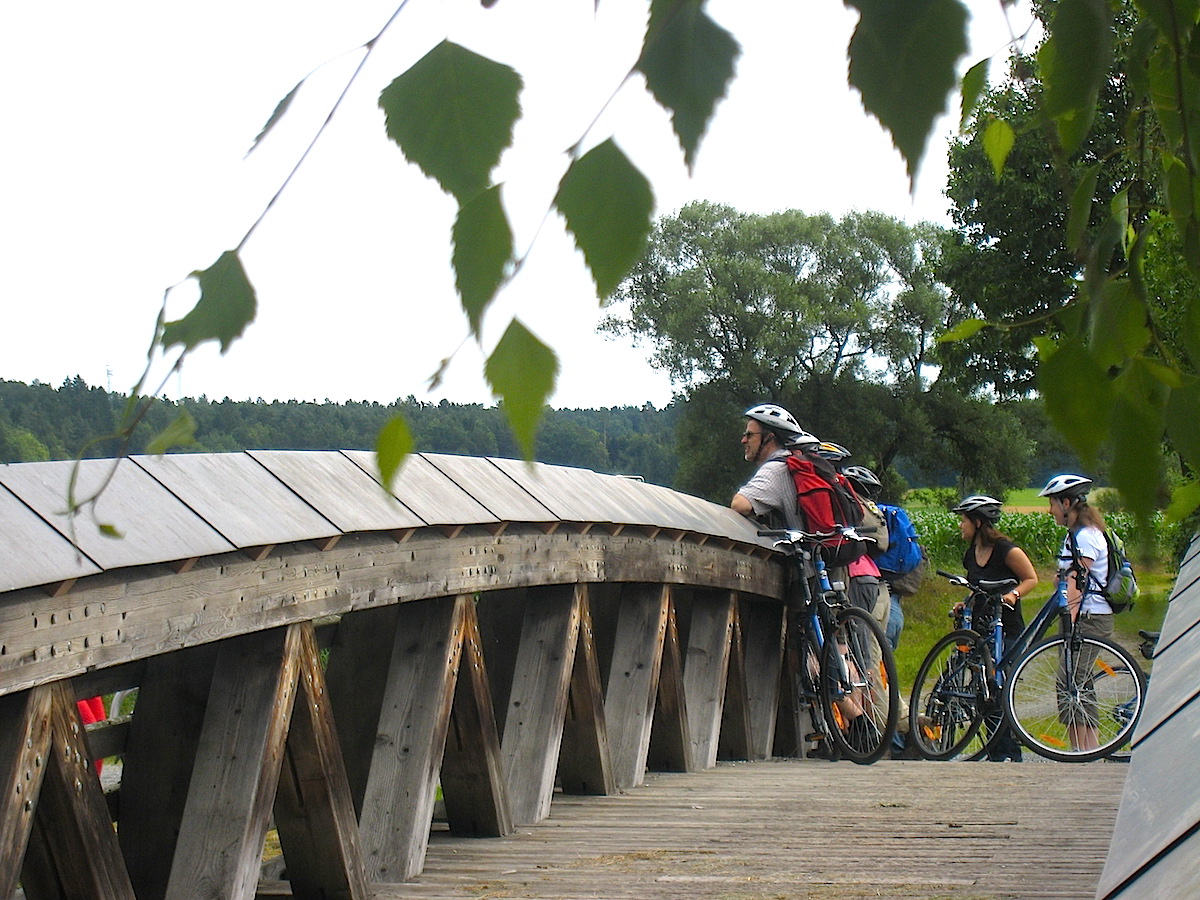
226,306
1184,501
688,60
902,61
180,433
607,203
483,250
1118,327
1078,392
962,330
522,372
280,109
1183,422
998,140
1081,207
393,444
452,113
973,85
1074,62
1139,406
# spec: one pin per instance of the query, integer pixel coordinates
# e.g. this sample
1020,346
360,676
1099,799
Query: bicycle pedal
815,737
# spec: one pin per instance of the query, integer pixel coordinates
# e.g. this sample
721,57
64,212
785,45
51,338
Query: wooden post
762,629
633,678
537,705
24,753
473,785
584,763
705,671
313,811
228,808
670,744
414,717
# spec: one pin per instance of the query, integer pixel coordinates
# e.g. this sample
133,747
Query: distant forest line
41,422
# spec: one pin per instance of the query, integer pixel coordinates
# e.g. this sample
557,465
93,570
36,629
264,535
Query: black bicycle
841,663
1068,697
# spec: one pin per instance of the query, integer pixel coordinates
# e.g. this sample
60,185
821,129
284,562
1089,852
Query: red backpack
827,501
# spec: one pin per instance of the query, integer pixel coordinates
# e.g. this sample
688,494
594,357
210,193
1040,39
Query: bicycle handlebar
796,536
989,587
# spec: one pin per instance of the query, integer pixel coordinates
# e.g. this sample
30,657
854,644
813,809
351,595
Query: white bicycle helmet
863,478
783,423
979,506
1070,486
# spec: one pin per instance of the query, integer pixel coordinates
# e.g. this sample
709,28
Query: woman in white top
1084,546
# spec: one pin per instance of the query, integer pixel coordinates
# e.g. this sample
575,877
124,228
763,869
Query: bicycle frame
1055,606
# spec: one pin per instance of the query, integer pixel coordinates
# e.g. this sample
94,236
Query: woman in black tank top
992,556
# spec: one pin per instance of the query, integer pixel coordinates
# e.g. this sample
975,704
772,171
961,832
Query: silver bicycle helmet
979,506
863,478
1071,486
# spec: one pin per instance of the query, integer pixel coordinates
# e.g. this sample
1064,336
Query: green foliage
226,306
522,371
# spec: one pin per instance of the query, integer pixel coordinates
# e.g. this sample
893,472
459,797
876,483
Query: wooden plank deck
789,829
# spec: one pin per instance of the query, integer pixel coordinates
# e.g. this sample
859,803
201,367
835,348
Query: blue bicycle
841,664
1069,698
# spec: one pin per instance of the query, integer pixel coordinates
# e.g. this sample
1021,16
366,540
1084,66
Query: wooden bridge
317,657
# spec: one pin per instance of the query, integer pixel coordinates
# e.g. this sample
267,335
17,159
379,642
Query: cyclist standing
1085,549
993,556
770,494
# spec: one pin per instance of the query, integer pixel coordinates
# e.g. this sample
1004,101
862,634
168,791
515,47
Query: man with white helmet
770,494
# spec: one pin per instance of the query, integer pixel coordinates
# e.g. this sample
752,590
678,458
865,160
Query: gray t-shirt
772,493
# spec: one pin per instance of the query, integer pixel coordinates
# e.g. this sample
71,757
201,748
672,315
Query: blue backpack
903,554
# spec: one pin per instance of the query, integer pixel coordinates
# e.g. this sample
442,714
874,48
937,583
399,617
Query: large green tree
834,319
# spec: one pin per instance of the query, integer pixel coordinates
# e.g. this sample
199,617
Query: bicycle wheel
950,699
1079,718
859,690
804,666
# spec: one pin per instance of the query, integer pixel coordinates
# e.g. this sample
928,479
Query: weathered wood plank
633,678
398,802
23,529
313,810
761,625
236,773
427,491
24,752
900,830
584,760
262,511
155,526
164,735
473,784
670,743
705,671
537,704
134,615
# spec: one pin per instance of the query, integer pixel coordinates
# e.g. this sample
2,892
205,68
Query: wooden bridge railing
313,653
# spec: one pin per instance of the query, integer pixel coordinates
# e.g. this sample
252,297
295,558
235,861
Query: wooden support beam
537,705
78,854
670,742
584,763
24,753
705,670
762,630
313,811
629,700
159,753
735,740
397,804
473,785
236,772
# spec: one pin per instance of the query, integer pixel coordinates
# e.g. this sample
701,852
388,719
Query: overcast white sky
127,123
